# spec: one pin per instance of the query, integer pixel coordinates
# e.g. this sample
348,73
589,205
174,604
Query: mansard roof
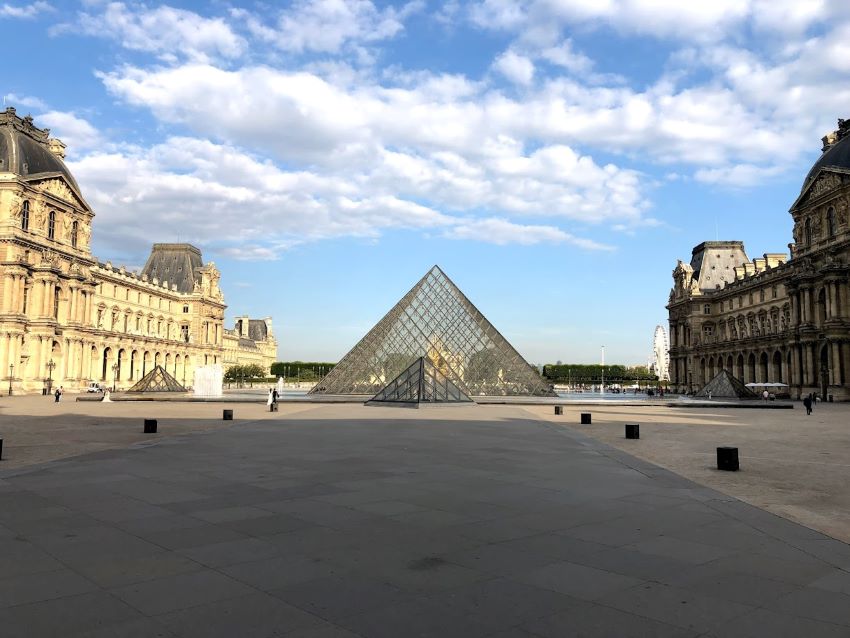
836,153
25,149
175,263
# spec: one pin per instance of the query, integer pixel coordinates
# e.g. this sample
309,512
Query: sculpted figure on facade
16,205
58,188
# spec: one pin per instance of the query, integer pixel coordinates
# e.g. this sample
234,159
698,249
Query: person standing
269,401
57,394
274,395
808,403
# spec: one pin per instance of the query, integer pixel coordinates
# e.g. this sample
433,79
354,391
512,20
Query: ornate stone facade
68,319
773,319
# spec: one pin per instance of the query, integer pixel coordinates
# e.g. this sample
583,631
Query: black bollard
585,418
272,407
150,426
227,415
632,430
1,449
727,459
559,409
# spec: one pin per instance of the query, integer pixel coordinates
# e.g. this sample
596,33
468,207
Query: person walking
808,403
270,400
275,395
57,394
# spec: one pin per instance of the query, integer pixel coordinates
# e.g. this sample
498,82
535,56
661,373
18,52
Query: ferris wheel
661,354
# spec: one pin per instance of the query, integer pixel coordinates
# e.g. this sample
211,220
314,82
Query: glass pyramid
422,382
157,380
435,321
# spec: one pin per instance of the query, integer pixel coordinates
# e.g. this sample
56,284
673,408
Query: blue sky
554,157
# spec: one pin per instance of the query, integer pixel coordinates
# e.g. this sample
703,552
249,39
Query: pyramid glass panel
435,321
420,383
157,380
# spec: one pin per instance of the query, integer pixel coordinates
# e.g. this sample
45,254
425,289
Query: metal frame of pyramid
436,321
421,383
724,385
157,380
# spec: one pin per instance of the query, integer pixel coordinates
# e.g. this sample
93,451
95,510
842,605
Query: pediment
58,187
825,181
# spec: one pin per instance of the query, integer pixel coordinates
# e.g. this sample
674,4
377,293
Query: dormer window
51,225
25,216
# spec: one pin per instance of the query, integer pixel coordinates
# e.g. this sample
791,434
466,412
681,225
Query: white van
94,387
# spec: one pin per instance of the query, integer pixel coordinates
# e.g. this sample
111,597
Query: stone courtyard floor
343,521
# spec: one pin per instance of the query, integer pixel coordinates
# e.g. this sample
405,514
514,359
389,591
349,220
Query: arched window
808,231
74,228
51,225
25,216
830,222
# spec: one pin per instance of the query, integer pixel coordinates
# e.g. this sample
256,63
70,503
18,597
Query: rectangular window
761,294
721,306
775,292
706,309
185,309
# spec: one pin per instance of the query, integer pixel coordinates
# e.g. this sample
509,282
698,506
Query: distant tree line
301,370
584,373
246,374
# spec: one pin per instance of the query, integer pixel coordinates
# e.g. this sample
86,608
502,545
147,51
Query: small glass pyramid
157,380
435,321
422,382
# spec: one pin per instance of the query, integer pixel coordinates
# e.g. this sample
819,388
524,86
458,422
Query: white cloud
24,11
328,26
77,133
12,99
517,68
194,188
501,232
164,31
741,175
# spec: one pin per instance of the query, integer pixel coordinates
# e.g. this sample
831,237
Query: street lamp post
114,375
50,365
11,376
602,390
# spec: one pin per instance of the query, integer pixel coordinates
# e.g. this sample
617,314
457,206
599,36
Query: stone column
835,364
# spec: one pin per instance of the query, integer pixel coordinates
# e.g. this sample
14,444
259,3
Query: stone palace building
775,318
68,319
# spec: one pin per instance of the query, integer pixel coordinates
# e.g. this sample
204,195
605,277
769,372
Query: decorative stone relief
59,188
825,183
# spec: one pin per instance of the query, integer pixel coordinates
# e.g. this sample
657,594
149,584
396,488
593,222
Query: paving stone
65,616
230,552
256,615
764,622
676,606
578,581
32,588
492,524
816,604
340,596
589,620
181,591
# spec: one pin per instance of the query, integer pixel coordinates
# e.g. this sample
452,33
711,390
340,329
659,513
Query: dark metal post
50,365
11,376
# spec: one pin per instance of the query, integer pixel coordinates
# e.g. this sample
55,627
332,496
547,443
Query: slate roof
836,156
23,149
176,264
